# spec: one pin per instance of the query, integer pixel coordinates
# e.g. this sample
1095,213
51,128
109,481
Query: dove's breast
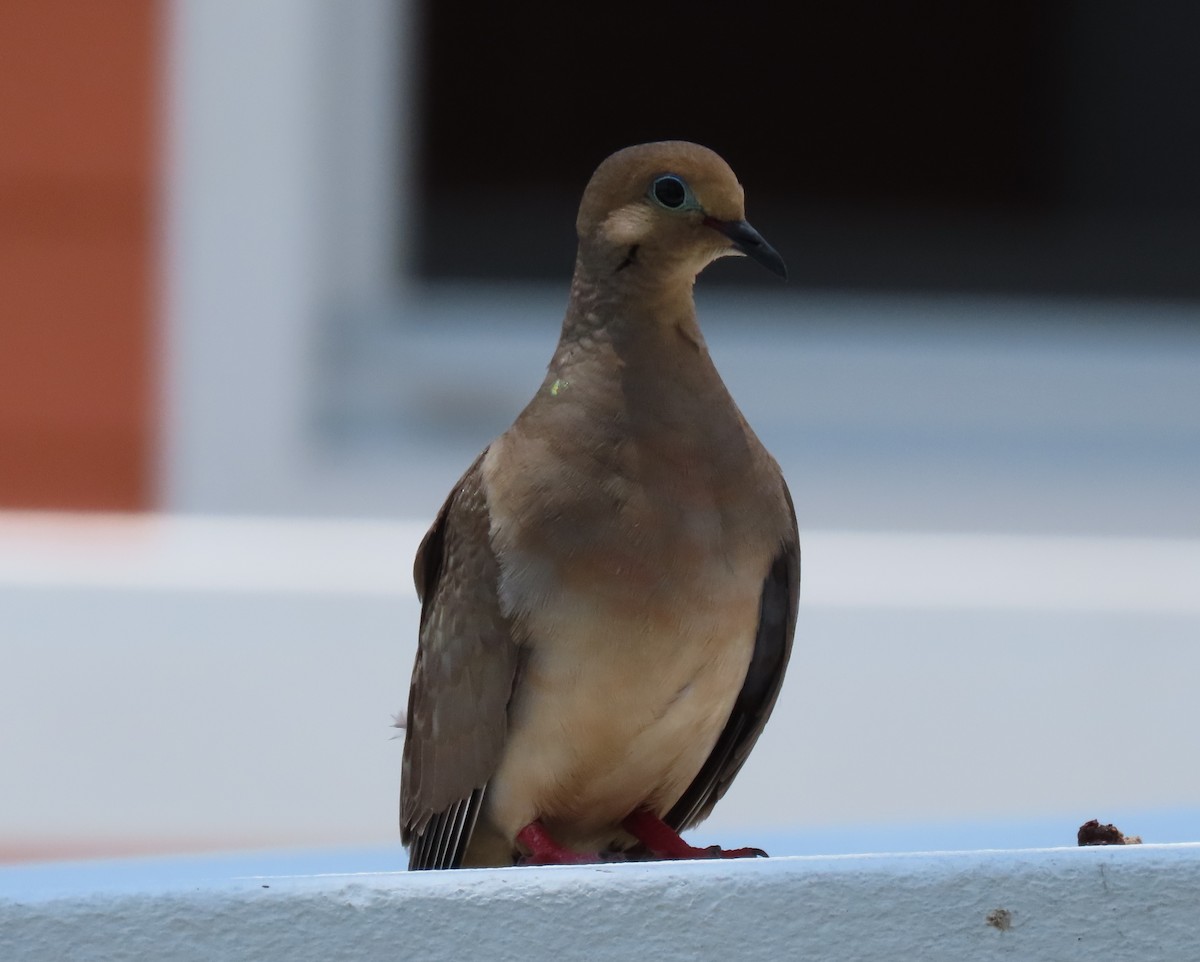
638,621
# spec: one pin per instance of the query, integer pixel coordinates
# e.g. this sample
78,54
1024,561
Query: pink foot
664,841
544,850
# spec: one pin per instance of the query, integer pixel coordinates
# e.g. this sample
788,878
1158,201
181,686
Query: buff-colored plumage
609,592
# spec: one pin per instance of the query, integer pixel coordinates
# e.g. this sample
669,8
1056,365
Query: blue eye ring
672,192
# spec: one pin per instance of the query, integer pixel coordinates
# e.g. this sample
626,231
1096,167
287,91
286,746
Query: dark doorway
1027,147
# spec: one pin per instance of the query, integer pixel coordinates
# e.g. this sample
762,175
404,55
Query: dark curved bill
750,242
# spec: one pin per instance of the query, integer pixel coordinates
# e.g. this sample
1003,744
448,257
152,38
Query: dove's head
666,210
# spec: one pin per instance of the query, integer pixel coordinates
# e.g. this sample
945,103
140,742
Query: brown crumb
999,919
1093,833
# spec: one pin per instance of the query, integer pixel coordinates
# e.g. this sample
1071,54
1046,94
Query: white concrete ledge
1133,903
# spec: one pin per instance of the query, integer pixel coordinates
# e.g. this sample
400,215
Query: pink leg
664,841
544,850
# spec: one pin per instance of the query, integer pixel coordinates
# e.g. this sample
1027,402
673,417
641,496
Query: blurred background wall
293,262
236,236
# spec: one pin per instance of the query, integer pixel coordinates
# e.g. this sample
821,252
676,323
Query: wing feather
764,678
462,681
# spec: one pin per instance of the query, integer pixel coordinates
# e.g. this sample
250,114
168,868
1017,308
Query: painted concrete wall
1135,903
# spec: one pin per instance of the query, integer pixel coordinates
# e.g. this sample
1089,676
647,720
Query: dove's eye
671,192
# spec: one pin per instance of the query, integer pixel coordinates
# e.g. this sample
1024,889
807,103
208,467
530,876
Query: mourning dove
609,592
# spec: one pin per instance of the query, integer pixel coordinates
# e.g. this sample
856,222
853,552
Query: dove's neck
631,350
635,311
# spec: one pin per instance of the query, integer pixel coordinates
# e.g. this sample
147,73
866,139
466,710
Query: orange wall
78,88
